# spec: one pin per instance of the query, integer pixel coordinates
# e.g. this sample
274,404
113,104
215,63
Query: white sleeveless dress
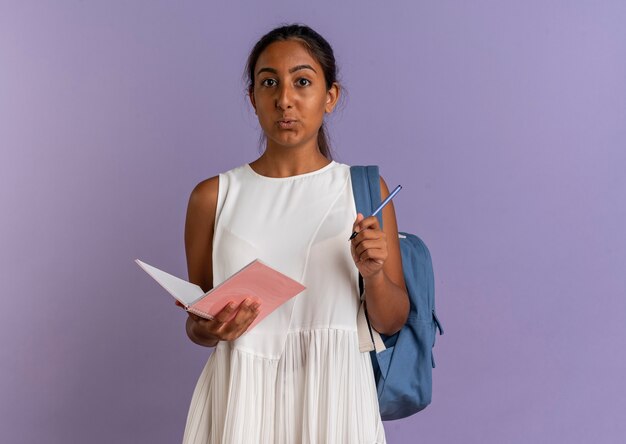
298,376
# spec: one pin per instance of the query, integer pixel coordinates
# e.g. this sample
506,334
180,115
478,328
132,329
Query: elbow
395,325
405,316
391,329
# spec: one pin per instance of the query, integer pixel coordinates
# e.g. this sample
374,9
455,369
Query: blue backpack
403,365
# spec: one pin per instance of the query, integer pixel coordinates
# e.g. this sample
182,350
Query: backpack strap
366,191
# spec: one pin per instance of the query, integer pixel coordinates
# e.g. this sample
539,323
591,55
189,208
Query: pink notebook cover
256,281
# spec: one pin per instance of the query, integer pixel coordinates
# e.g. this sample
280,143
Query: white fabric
298,377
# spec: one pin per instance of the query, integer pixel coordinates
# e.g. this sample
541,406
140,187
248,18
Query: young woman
298,376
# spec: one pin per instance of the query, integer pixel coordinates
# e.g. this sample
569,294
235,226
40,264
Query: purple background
504,121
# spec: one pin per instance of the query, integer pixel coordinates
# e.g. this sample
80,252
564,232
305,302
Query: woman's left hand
369,247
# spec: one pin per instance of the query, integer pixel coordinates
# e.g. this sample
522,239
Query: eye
303,82
266,81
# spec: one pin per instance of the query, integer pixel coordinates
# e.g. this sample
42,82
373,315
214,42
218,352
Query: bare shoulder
199,225
205,193
202,205
384,190
389,212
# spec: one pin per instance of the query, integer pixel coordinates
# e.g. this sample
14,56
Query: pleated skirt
321,390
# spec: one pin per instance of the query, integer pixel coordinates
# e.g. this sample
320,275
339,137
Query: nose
284,97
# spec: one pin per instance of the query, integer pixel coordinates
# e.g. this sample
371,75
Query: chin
288,142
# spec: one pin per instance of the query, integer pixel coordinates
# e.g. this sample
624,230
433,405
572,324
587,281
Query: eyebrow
291,70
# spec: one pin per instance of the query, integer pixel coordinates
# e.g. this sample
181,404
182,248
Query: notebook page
182,290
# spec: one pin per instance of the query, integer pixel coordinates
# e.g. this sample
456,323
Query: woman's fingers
248,311
361,223
377,254
369,241
231,322
368,230
225,313
369,245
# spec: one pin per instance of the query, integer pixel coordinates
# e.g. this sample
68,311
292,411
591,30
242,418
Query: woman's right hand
220,328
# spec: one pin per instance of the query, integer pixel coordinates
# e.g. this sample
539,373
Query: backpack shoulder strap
366,191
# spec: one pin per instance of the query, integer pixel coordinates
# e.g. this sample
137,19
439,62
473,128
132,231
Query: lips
286,123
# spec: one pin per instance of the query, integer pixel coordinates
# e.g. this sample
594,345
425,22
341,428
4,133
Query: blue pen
381,206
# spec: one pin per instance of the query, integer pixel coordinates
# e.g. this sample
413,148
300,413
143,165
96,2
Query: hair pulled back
319,49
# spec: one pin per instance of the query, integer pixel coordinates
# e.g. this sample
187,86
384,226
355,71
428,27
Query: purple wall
504,121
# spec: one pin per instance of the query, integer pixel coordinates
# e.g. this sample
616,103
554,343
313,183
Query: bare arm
377,255
199,227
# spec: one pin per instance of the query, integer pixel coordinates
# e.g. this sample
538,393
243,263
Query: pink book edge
257,281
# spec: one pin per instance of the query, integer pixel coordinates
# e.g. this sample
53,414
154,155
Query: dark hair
316,45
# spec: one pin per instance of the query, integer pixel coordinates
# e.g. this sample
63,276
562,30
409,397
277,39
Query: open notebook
256,281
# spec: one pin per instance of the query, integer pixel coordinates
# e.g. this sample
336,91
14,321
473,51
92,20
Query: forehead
284,55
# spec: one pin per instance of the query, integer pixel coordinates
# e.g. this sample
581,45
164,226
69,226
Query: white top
298,376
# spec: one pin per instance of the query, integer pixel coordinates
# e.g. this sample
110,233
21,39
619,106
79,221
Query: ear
332,96
251,97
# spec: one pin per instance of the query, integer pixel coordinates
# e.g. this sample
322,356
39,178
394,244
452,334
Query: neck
292,163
